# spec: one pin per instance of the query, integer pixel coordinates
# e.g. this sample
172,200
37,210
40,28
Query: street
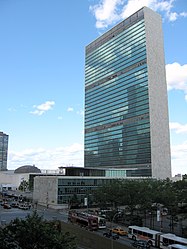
6,215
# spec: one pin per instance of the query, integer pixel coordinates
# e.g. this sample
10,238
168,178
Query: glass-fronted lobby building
126,108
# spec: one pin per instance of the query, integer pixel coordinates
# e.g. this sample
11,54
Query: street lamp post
47,200
112,242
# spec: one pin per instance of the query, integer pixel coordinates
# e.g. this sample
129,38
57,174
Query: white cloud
42,108
173,16
179,158
176,76
73,155
11,109
134,5
179,151
81,112
178,128
70,109
48,159
108,12
183,14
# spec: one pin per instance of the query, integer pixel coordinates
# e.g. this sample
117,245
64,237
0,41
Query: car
111,235
14,205
119,231
6,206
23,207
141,244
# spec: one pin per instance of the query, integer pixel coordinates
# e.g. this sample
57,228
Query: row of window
120,87
118,67
80,182
136,73
114,149
122,122
118,128
112,43
121,135
140,40
120,141
118,29
121,53
145,234
132,113
121,150
131,110
114,57
119,104
108,68
111,163
118,157
118,108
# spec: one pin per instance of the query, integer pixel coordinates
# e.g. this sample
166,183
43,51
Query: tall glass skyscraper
126,108
3,151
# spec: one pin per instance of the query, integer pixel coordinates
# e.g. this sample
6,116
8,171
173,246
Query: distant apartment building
3,151
126,107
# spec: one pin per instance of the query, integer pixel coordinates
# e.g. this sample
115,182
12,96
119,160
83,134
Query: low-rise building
59,191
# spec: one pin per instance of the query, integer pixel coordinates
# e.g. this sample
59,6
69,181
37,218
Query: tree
24,185
35,233
109,194
74,202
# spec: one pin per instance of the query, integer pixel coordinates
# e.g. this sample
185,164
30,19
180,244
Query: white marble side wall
45,190
158,101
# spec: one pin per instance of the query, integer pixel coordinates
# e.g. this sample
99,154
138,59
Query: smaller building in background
10,181
3,151
27,169
61,192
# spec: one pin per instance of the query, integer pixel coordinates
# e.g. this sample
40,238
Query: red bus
83,219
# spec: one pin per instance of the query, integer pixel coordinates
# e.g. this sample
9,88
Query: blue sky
42,51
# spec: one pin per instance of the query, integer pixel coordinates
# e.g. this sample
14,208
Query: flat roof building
126,107
3,151
59,191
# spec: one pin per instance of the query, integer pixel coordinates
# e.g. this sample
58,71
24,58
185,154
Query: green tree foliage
24,185
35,233
74,202
144,194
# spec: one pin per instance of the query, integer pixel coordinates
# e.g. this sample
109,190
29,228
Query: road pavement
7,215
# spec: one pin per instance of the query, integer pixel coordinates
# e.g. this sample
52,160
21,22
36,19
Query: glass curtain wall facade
3,151
117,101
81,188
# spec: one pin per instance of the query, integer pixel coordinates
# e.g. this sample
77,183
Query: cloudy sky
42,50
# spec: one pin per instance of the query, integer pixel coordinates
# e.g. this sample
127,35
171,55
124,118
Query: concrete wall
158,101
46,191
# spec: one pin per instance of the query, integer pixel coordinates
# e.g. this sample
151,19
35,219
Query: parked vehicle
155,238
169,239
177,246
84,220
119,231
14,205
111,235
144,233
6,206
141,244
23,207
